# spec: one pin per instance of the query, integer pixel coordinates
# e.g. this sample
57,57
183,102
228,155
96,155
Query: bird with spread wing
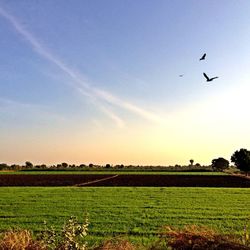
209,79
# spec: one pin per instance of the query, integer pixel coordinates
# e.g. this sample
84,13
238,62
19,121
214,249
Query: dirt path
95,181
242,175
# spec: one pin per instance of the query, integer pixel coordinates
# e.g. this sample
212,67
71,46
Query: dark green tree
43,166
3,166
28,164
241,159
64,165
15,167
220,164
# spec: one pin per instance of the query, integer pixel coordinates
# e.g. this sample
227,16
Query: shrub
71,234
195,237
69,238
17,239
48,237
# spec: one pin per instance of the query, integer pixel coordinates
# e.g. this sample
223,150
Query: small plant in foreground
48,237
68,239
71,233
245,237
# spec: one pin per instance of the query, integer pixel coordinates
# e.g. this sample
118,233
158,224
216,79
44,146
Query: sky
91,81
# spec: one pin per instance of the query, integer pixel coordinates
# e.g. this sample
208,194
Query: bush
69,238
194,237
17,239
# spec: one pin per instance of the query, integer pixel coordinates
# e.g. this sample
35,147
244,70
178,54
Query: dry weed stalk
199,238
116,244
19,240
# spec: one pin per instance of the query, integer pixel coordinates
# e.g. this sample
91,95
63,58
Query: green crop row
108,172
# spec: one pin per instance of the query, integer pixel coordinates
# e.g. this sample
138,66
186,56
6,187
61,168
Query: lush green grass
108,172
138,212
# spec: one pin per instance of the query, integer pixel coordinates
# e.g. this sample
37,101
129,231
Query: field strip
242,176
95,181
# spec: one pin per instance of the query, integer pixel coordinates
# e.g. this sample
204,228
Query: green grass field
137,212
108,172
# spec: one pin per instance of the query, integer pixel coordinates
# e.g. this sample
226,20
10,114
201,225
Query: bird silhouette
203,57
181,75
209,79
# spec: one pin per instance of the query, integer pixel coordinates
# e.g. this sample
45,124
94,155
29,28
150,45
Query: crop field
138,212
110,172
117,180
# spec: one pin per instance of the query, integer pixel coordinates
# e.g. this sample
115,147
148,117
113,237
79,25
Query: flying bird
181,75
209,79
203,57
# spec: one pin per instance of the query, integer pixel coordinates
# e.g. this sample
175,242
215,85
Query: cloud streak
78,82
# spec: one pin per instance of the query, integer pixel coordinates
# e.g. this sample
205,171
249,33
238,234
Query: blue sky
98,81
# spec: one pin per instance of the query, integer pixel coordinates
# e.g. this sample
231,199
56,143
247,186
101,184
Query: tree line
240,158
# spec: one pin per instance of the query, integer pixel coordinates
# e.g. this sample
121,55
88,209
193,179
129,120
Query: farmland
132,180
110,172
135,211
128,203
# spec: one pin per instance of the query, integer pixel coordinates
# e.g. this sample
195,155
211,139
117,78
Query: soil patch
124,180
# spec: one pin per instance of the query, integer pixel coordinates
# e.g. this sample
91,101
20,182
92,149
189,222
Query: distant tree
108,166
43,166
220,164
3,166
28,164
59,166
15,167
91,165
177,166
241,159
64,165
191,162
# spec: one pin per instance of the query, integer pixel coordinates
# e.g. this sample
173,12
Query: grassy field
108,172
137,212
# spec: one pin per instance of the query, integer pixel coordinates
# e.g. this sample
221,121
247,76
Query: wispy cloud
4,102
119,122
79,83
10,107
126,105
